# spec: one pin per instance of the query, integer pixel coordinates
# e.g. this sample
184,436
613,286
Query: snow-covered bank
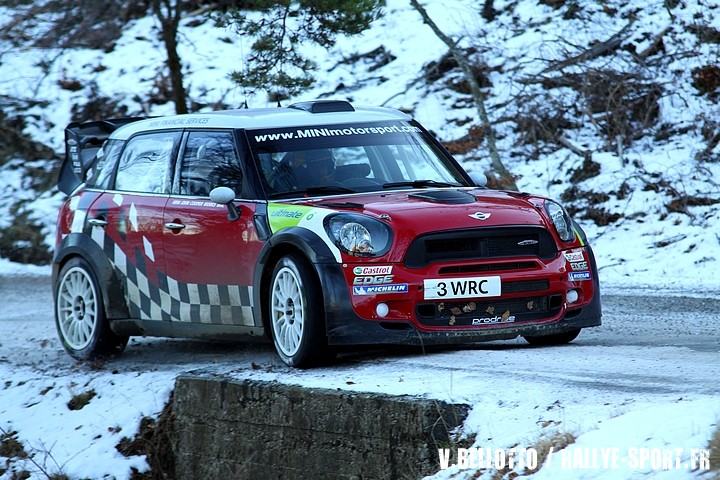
8,268
80,443
646,378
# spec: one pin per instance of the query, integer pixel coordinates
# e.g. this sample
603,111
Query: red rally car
318,225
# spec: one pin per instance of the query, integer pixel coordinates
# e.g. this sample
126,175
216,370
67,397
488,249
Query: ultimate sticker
285,216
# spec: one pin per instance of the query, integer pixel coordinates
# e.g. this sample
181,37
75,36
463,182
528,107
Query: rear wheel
80,316
296,315
554,339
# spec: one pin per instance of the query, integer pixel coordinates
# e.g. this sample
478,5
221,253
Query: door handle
97,222
174,226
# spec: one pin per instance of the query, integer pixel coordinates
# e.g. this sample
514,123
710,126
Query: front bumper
351,319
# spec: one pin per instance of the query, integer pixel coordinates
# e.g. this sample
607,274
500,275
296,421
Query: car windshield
341,159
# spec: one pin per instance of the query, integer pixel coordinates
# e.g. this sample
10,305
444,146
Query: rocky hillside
610,107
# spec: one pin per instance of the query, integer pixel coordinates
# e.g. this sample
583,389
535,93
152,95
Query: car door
127,219
210,259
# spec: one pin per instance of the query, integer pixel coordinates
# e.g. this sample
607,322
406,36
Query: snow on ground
646,378
10,269
82,442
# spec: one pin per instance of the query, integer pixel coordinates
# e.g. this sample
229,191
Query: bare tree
169,13
504,179
58,25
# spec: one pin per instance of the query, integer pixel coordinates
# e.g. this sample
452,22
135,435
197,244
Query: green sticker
283,216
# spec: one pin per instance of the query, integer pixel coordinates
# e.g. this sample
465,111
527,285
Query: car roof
258,118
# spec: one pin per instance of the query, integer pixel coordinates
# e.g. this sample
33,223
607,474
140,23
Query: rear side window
145,163
210,160
102,170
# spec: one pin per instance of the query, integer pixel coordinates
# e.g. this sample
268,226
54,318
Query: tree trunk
169,21
504,178
175,66
488,10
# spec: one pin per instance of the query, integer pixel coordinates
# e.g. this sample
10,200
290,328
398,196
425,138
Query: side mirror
225,196
479,179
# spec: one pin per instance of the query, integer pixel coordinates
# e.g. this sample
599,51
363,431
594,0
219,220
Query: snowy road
654,357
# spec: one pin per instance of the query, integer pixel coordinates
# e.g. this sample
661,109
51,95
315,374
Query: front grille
525,286
488,267
459,314
480,243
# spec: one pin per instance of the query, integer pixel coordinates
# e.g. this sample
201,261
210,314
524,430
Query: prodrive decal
504,318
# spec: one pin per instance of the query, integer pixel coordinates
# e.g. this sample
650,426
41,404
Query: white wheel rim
77,308
288,311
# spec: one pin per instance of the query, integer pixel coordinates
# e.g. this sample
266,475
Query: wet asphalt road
652,344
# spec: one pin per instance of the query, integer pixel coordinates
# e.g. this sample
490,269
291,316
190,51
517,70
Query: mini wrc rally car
318,225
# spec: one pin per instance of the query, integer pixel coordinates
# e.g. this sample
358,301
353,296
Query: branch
477,94
595,51
407,87
652,48
158,11
574,148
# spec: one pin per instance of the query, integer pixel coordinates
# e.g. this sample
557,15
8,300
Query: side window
104,166
210,160
144,164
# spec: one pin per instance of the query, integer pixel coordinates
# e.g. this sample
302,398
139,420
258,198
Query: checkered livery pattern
175,301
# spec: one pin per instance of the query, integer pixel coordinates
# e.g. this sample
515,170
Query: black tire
311,348
101,341
554,339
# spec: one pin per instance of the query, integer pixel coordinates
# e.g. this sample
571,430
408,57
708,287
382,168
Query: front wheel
555,339
296,314
79,314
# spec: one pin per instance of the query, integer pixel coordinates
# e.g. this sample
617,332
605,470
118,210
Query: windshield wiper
318,190
420,184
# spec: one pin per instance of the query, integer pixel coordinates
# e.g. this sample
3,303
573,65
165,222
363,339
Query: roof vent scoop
324,106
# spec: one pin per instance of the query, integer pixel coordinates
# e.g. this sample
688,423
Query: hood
420,211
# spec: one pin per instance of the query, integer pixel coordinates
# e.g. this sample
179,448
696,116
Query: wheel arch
295,240
77,245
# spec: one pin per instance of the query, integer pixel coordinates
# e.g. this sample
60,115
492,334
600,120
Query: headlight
561,220
358,235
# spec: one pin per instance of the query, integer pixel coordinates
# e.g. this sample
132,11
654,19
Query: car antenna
244,68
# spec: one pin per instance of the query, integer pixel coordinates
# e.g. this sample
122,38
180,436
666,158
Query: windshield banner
324,136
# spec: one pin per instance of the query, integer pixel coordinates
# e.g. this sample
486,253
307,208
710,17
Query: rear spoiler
82,142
